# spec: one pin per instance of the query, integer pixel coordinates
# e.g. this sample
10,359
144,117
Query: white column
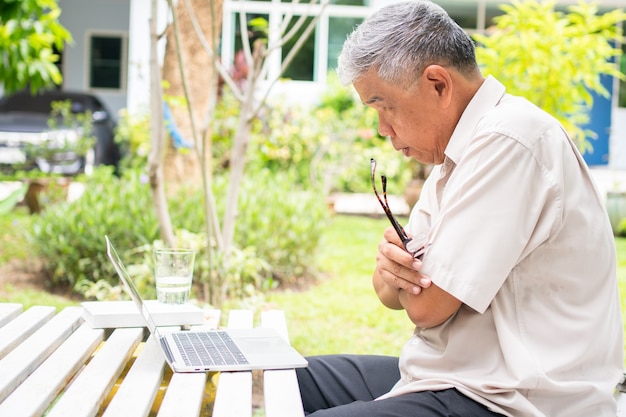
138,91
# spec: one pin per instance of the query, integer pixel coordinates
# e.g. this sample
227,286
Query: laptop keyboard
208,348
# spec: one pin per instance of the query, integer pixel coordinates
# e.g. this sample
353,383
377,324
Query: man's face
412,119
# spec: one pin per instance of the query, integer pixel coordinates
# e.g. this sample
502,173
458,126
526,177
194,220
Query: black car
32,136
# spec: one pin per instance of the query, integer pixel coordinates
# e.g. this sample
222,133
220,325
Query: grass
340,313
30,297
13,243
14,246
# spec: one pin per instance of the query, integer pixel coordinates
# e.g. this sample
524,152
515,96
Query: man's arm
399,285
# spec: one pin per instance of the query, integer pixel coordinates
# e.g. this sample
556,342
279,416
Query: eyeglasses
412,246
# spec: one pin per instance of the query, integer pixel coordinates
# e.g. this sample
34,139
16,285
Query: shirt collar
486,98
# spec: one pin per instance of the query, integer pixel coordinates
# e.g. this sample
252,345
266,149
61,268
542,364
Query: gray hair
401,40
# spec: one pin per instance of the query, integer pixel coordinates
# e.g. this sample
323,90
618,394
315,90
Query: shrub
554,59
133,137
70,236
283,222
246,273
279,220
327,147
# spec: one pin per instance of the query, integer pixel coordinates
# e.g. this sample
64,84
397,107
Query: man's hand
396,270
400,285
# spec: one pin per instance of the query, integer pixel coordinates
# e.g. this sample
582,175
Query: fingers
397,268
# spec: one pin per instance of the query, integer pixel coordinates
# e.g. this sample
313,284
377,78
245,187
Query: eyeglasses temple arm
398,228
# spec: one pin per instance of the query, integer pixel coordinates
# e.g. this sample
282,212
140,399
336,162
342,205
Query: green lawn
342,313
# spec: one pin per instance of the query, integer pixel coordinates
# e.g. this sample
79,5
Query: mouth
406,151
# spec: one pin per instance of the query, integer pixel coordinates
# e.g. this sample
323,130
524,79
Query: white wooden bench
58,364
55,362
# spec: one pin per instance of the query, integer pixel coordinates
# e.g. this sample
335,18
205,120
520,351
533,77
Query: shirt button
415,341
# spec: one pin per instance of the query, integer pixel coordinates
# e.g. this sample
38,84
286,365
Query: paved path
367,204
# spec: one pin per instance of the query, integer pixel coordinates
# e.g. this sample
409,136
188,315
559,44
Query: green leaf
552,58
7,204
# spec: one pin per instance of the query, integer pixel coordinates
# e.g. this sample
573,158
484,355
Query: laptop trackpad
266,346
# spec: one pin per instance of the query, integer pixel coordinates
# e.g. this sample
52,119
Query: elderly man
515,300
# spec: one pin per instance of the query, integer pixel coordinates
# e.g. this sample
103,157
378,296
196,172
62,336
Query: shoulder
520,120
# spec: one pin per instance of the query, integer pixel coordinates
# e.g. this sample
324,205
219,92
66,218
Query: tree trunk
155,159
184,167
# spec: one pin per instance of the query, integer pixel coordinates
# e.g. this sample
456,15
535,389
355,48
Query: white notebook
109,314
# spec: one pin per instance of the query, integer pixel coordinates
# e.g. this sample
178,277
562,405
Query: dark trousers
346,385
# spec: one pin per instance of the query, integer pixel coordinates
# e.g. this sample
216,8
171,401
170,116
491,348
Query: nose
384,127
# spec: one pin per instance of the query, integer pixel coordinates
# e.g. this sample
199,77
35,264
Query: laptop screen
130,285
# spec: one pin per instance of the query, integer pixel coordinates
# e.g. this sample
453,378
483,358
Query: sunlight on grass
29,298
341,313
13,243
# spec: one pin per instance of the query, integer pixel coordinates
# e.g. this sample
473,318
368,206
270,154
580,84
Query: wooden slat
280,387
18,364
212,318
276,320
87,392
39,390
234,389
240,319
14,332
8,311
621,404
184,395
140,386
234,395
282,394
189,388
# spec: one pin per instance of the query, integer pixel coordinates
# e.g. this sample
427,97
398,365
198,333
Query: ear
439,82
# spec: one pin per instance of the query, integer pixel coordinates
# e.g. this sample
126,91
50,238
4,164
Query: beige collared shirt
519,234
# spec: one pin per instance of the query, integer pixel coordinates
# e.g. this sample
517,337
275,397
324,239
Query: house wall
84,18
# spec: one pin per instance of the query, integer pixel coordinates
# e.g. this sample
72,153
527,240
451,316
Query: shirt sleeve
487,218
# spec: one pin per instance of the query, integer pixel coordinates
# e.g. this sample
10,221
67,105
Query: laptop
213,350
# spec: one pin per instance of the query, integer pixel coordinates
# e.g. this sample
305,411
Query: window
256,24
107,61
59,63
338,30
302,67
464,15
491,12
